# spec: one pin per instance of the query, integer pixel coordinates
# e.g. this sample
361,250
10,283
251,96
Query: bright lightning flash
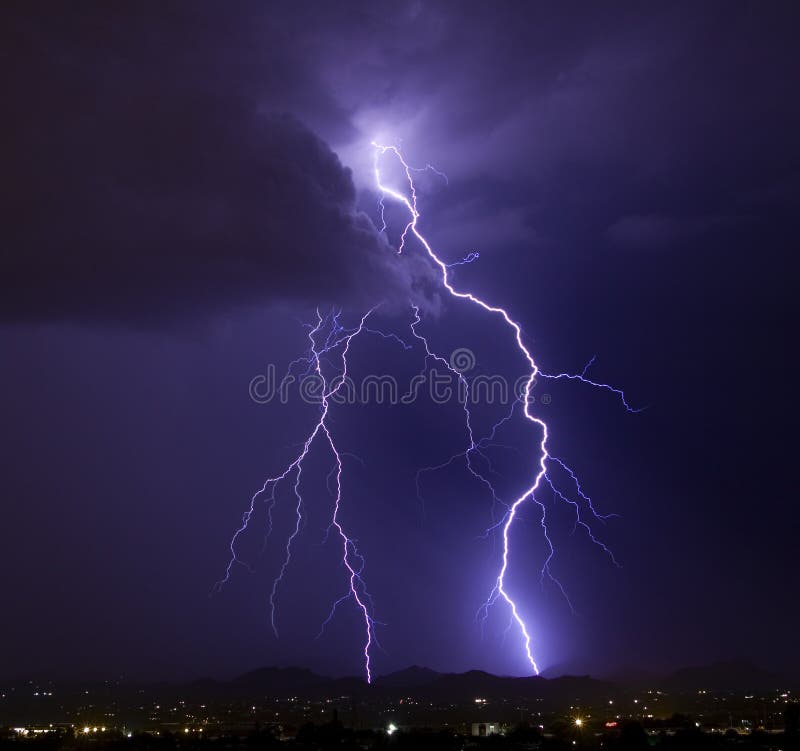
409,200
330,342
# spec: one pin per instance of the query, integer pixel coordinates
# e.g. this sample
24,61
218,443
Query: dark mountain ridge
426,684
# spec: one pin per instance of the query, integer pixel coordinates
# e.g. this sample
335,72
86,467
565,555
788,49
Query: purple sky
183,187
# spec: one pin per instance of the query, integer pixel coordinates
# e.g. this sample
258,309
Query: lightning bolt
408,199
329,346
337,338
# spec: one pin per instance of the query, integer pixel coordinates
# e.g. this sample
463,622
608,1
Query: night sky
184,183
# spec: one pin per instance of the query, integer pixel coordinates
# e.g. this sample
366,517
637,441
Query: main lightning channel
409,200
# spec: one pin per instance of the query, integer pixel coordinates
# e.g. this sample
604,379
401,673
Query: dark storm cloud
581,114
145,160
148,168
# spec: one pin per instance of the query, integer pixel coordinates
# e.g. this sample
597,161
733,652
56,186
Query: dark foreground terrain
725,707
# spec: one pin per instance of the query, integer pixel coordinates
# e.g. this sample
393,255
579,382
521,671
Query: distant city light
391,729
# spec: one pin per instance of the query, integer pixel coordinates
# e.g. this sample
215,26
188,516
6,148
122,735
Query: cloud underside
146,178
149,167
204,206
